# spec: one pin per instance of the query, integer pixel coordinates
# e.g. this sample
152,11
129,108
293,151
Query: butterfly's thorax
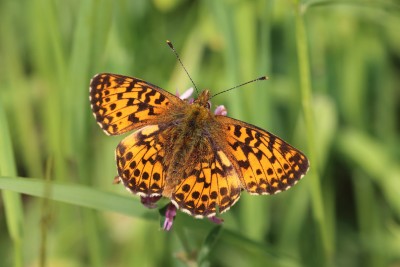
188,141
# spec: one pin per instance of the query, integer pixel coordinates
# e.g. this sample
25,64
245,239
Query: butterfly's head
203,99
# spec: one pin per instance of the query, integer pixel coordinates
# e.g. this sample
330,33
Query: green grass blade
77,195
376,161
12,201
306,96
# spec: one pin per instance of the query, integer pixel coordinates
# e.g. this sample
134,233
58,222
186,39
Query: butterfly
182,151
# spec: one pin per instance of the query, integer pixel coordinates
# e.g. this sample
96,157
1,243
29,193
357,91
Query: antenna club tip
264,78
169,44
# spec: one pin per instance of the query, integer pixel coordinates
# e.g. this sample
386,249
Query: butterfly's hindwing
213,182
140,162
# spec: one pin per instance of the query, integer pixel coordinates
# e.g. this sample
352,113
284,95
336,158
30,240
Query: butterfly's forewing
213,182
267,163
121,104
140,162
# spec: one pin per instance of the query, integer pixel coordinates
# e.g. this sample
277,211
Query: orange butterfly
182,151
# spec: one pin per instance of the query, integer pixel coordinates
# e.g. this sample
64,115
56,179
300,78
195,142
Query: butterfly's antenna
180,61
258,79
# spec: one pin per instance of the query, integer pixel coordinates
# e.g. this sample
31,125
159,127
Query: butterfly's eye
208,105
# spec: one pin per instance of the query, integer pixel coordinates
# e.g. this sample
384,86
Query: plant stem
306,101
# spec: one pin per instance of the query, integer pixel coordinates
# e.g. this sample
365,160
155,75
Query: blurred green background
334,69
